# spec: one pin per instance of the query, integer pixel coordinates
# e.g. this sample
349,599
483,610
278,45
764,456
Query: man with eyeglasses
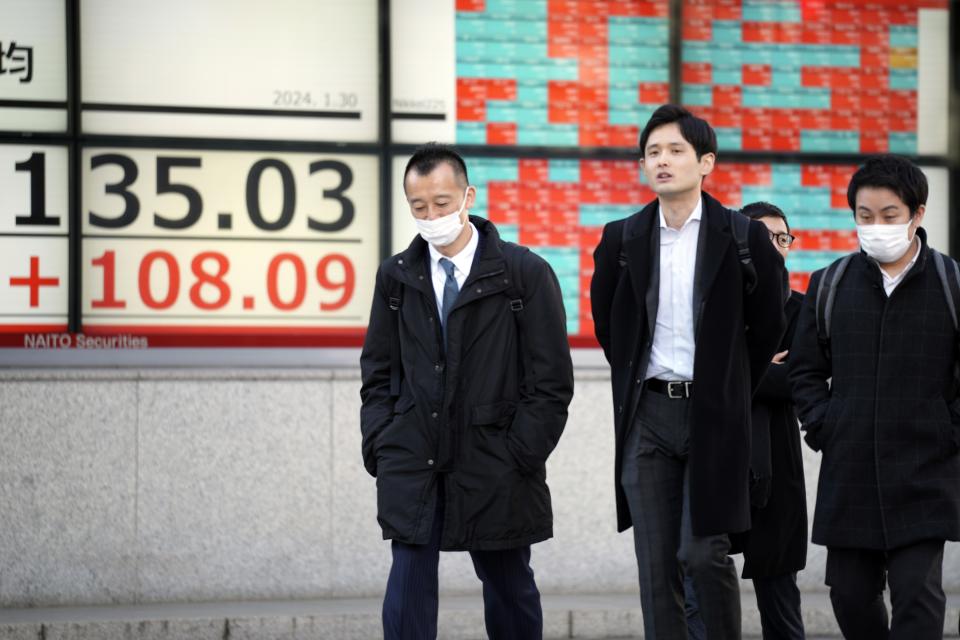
775,547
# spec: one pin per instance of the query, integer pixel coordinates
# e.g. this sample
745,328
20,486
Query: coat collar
412,265
713,245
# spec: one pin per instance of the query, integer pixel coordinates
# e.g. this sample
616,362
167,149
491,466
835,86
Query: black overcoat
887,424
777,541
483,413
729,358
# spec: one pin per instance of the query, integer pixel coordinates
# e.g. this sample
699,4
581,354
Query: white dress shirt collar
696,214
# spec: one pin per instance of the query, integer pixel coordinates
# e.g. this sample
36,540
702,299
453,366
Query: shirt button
479,290
434,414
639,380
436,367
430,462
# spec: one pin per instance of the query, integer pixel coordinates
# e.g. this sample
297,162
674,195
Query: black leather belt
675,389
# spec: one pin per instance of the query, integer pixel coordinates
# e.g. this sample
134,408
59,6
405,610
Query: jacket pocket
403,404
950,428
497,414
491,432
818,434
401,407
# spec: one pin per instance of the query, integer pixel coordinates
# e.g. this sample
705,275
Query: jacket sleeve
774,386
376,409
763,308
547,387
809,369
603,284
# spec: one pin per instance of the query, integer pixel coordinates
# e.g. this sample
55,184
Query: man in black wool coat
877,395
687,342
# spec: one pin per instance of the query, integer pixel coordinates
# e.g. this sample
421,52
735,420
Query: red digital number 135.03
206,279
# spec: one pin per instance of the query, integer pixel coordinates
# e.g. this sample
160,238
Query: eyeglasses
784,240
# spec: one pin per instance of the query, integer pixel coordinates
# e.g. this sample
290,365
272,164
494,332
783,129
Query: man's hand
780,357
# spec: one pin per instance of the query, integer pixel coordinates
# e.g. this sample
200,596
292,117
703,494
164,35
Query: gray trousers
656,481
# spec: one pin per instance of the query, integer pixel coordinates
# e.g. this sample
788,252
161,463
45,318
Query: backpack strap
395,300
741,235
515,293
826,292
949,275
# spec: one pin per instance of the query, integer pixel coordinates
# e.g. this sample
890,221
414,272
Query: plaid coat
888,423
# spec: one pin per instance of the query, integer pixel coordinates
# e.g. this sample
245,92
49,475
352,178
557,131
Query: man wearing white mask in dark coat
872,369
466,380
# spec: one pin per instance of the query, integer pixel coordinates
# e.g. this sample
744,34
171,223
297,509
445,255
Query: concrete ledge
461,618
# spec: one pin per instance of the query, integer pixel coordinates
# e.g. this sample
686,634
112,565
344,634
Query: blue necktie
450,291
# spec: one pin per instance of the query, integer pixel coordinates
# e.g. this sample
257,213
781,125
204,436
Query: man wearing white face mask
873,374
466,380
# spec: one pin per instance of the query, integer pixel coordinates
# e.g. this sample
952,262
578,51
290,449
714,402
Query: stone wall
183,485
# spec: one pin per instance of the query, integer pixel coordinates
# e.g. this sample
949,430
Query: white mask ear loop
464,203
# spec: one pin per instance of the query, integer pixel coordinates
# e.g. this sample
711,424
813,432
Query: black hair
761,209
694,130
426,158
890,172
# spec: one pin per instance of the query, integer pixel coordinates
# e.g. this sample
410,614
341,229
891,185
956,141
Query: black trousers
511,600
856,578
778,600
656,481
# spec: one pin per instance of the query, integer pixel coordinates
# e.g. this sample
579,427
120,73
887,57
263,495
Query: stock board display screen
33,66
34,245
833,77
235,69
188,206
227,243
563,73
559,73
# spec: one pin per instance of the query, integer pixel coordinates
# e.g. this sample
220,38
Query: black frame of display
74,140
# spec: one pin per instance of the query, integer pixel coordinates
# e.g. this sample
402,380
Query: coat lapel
642,248
712,245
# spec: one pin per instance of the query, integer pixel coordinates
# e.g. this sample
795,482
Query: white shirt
671,356
890,282
461,263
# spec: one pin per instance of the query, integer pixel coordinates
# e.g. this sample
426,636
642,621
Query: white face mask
885,243
443,230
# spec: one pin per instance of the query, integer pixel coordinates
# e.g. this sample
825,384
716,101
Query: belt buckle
682,385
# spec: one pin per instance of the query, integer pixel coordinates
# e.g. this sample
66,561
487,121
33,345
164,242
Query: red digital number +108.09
198,266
